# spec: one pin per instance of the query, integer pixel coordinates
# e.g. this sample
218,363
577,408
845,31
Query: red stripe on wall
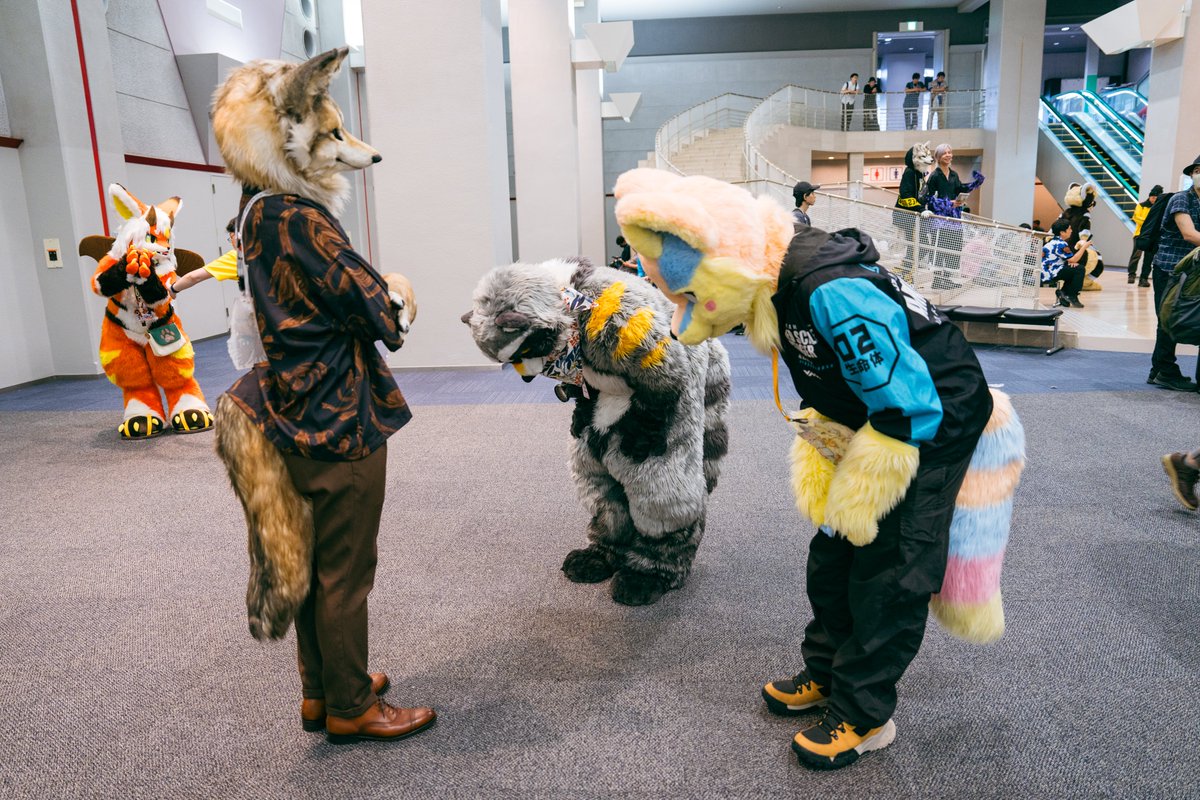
87,99
165,162
366,198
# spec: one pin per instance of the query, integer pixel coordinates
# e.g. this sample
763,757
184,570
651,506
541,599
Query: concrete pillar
588,91
435,99
65,172
1012,76
545,129
1172,121
855,164
1091,66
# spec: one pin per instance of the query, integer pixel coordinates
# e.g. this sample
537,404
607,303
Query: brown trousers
331,626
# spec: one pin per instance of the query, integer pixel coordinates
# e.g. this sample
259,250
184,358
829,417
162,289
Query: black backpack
1152,225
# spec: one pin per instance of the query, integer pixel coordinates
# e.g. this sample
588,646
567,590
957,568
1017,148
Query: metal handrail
963,261
823,110
728,110
1135,136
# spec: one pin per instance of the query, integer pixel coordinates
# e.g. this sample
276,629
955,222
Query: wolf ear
171,207
311,79
126,204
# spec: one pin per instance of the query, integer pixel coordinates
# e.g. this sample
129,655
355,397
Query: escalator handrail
1110,142
1134,135
1069,126
1123,128
1136,121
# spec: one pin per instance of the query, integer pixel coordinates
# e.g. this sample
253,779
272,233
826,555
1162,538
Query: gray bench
1044,317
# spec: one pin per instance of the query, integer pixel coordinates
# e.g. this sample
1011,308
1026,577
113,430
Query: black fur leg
587,565
633,588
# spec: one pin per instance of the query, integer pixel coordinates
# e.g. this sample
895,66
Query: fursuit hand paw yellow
812,470
869,482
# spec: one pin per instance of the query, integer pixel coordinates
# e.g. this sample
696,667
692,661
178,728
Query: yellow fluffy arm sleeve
869,482
811,474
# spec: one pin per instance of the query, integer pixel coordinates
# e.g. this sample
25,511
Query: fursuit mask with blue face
712,248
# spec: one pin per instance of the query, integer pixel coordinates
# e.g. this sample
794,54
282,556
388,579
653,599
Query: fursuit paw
401,292
587,565
631,588
193,420
146,426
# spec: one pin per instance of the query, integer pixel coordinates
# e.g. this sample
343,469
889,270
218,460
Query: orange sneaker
790,697
834,743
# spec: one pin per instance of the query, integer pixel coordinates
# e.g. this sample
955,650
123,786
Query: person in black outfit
870,111
943,187
909,200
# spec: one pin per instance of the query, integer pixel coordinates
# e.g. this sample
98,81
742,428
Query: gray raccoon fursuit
649,429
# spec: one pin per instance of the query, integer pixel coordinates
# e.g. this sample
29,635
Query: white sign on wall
883,174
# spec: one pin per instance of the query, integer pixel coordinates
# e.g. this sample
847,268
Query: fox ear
171,207
126,204
311,79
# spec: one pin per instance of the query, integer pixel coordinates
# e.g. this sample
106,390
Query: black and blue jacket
863,346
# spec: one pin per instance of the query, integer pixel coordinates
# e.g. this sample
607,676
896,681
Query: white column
435,89
67,200
591,149
545,130
1012,76
855,164
1174,115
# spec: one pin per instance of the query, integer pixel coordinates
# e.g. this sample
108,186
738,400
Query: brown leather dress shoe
312,712
381,722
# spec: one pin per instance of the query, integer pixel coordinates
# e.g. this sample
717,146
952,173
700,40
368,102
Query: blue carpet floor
1020,370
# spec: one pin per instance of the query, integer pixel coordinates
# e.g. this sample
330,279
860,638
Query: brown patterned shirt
325,392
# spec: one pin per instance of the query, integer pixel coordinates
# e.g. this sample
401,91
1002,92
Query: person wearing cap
1139,216
1180,233
805,197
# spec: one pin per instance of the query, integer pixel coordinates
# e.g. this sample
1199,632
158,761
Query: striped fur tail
969,605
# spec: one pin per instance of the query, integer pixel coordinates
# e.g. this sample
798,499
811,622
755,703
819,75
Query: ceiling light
830,158
1067,28
910,49
1056,44
886,41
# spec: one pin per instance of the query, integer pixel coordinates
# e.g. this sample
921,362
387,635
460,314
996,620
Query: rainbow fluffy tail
969,605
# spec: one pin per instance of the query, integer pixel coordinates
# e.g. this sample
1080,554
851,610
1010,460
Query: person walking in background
1178,235
912,101
849,90
805,197
223,268
937,101
1139,216
1184,471
870,110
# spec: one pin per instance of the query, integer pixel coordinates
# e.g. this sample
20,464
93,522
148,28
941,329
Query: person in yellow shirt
223,268
1139,216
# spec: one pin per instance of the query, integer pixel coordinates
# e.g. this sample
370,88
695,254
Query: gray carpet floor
127,670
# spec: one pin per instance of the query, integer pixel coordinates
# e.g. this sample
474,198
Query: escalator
1128,103
1106,148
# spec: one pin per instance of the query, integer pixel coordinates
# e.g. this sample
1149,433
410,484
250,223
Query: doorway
896,57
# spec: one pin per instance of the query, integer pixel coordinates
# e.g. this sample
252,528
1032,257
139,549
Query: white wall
156,119
25,355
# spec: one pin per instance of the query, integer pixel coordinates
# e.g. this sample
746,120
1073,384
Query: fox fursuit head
279,130
649,429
